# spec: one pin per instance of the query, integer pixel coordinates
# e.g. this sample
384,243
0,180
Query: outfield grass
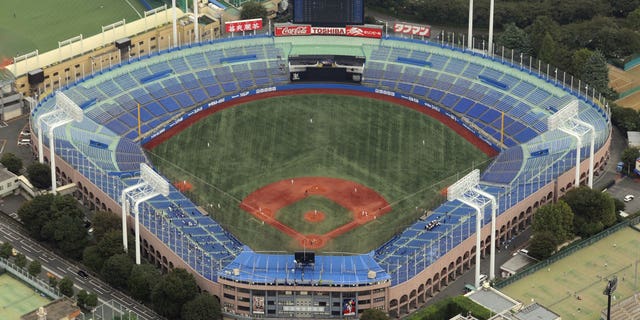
17,298
584,274
402,154
29,25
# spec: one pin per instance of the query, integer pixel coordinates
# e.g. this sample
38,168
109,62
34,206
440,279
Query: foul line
134,8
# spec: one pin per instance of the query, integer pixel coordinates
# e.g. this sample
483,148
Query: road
11,231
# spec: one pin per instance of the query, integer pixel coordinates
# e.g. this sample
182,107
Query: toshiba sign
348,31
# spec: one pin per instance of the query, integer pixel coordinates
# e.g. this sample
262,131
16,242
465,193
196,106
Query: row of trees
582,212
59,222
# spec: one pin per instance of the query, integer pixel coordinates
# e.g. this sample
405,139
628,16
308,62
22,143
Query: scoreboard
328,12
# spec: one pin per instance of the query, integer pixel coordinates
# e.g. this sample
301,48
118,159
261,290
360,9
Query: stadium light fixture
470,37
151,184
65,111
466,191
566,120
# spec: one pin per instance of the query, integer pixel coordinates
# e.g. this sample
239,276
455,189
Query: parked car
83,273
628,198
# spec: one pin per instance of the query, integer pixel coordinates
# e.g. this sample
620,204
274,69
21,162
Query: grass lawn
29,25
17,298
402,154
584,274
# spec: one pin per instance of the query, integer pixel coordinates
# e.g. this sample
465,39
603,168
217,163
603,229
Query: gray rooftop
517,262
492,299
634,138
6,174
531,312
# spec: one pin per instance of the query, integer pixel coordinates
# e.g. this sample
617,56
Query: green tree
373,314
593,210
253,10
515,38
11,162
595,72
6,249
629,156
110,244
35,267
40,175
35,214
172,291
556,218
70,235
142,280
103,222
92,258
81,297
21,260
540,27
203,307
543,245
633,20
547,51
117,269
579,60
621,8
66,286
91,301
626,119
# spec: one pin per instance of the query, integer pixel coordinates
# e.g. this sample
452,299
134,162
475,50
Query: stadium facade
498,104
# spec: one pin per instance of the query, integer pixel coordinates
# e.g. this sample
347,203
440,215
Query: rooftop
492,299
533,311
517,262
63,308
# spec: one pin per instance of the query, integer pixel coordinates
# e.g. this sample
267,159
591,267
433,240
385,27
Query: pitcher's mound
314,216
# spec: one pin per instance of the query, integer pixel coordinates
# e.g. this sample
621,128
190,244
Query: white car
628,198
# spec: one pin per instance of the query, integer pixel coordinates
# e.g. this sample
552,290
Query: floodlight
157,182
570,110
461,186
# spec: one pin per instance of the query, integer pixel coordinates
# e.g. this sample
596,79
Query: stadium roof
281,269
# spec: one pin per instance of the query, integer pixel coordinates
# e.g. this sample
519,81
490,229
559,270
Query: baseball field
331,172
28,25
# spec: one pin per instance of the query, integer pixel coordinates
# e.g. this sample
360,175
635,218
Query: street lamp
611,287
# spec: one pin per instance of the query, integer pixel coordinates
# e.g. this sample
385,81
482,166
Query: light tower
567,120
151,184
466,191
65,111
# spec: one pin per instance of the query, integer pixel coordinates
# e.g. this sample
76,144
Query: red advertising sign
243,25
348,31
412,29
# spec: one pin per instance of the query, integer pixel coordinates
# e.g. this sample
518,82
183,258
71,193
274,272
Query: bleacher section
504,101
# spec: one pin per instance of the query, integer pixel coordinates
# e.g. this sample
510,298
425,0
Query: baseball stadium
306,176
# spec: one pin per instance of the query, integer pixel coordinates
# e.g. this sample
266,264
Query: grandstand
501,103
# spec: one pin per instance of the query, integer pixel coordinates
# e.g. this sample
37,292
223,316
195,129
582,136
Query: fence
568,250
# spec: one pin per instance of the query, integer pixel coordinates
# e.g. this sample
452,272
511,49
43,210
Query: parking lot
624,187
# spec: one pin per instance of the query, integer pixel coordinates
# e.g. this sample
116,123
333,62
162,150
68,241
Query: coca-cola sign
286,31
412,29
348,31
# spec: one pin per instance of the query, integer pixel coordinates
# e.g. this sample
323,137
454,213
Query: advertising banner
348,31
348,307
412,29
243,25
258,304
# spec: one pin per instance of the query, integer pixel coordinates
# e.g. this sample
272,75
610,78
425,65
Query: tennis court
17,298
572,287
